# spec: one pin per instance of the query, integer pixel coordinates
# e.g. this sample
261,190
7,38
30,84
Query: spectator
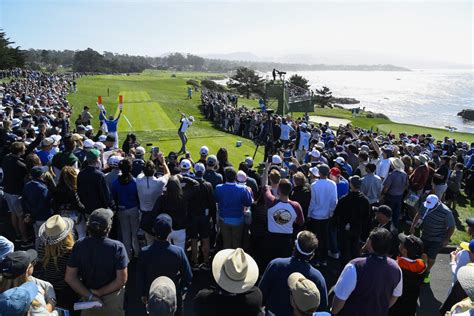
304,296
383,218
211,175
301,192
235,273
437,226
465,276
6,247
110,177
162,297
273,284
163,259
440,178
369,285
454,186
97,267
394,187
65,158
231,199
125,194
18,301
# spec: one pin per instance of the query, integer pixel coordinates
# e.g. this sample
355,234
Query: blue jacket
36,200
231,198
125,196
274,284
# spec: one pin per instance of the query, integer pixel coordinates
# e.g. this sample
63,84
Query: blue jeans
395,203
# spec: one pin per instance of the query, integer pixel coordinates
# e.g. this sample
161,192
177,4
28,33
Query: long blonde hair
53,252
68,177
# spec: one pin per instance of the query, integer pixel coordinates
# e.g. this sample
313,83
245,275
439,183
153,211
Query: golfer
111,124
185,123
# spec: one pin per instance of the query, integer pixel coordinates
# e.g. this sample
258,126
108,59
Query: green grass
153,102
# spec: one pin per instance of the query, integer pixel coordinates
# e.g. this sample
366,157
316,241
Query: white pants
178,238
115,134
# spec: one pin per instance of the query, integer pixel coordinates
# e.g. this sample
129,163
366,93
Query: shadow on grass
459,224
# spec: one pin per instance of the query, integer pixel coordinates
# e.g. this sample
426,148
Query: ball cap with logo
431,201
305,294
185,164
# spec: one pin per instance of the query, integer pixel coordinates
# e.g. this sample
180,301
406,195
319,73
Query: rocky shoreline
467,114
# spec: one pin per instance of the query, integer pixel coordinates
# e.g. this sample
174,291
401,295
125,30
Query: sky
384,30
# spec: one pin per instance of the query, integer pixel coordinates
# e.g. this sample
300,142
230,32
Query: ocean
423,97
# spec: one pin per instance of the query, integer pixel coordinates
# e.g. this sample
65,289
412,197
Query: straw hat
234,270
55,229
397,164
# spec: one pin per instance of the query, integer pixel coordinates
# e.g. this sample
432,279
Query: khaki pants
113,305
231,235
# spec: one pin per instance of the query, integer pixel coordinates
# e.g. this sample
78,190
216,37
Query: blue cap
163,226
17,301
6,247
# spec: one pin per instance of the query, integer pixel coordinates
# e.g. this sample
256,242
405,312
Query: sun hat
469,246
383,209
162,297
204,150
88,143
305,294
431,201
249,161
6,247
185,164
315,153
340,160
241,176
101,218
335,172
199,169
234,271
114,161
397,163
55,229
466,279
16,263
163,225
211,160
276,160
314,171
17,301
139,151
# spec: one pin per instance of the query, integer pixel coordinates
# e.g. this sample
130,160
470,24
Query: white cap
276,159
249,161
185,164
199,168
99,145
431,201
314,171
241,176
57,139
140,151
47,141
102,138
303,125
340,160
315,153
320,144
204,150
89,143
191,118
89,128
114,161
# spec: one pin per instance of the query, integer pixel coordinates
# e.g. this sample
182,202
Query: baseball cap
249,161
276,159
204,150
102,138
431,201
17,301
470,221
101,218
211,160
315,153
37,171
335,172
47,142
16,263
89,128
75,137
241,176
162,297
6,247
356,181
314,171
99,145
199,169
303,125
56,139
191,118
114,161
340,160
185,164
383,209
413,245
469,246
92,154
139,151
323,169
89,143
306,296
163,225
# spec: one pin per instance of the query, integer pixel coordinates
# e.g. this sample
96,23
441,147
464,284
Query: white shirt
185,123
348,280
462,259
149,190
383,167
304,140
323,199
285,131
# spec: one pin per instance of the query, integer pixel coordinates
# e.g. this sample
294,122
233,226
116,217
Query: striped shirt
50,273
436,222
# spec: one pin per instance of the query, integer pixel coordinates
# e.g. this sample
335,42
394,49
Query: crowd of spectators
375,209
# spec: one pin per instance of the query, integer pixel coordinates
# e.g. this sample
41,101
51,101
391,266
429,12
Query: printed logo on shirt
282,216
